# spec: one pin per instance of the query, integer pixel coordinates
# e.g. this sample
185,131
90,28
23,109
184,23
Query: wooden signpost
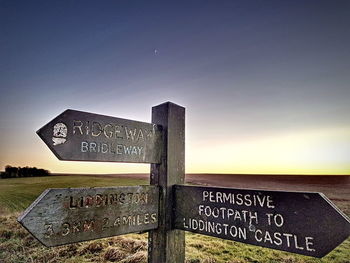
302,223
81,136
167,245
70,215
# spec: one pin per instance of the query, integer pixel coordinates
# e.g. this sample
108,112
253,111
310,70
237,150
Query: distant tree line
17,172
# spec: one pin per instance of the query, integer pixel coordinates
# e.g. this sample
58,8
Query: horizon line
260,174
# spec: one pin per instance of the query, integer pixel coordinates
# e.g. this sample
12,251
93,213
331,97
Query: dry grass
114,254
18,246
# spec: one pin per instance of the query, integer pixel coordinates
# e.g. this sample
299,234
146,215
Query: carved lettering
96,129
65,229
72,203
77,125
88,225
154,218
117,132
245,217
130,133
105,222
111,131
99,200
117,222
255,200
84,147
215,228
76,227
140,135
111,148
48,231
108,131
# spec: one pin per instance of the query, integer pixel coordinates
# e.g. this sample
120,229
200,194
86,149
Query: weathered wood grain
82,136
70,215
302,223
167,245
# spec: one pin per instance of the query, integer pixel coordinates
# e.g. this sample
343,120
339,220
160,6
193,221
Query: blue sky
265,83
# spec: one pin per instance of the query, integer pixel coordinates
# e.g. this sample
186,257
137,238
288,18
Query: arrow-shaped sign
64,216
302,223
82,136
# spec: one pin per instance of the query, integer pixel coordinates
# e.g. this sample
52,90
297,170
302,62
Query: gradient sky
265,83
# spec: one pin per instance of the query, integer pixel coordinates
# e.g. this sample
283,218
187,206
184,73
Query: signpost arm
166,244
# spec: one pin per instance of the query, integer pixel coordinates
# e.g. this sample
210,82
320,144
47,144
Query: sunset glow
310,152
265,87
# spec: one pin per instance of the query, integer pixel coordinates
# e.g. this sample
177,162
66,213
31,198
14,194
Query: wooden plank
302,223
167,245
82,136
70,215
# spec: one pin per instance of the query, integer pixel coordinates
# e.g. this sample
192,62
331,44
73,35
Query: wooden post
167,245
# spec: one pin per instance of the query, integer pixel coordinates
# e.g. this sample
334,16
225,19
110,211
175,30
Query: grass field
17,194
16,245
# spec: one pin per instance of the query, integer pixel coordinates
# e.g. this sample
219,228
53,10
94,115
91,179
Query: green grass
18,246
208,249
18,193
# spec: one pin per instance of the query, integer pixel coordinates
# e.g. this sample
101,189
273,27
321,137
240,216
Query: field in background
16,245
18,193
336,188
